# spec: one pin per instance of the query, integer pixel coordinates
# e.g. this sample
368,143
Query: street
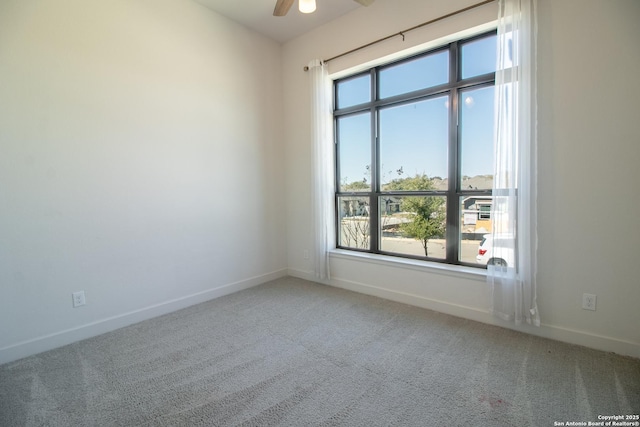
435,247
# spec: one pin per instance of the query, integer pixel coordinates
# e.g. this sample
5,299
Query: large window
414,154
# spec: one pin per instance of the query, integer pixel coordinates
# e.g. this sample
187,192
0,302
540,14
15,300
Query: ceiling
258,15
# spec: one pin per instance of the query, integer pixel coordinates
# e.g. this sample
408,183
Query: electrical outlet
305,254
589,302
78,299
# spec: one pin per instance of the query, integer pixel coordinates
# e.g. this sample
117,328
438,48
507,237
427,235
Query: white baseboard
303,274
68,336
553,332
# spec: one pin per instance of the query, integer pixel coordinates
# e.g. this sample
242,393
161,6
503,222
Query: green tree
355,186
428,213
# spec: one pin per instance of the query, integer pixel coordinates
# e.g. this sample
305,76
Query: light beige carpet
296,353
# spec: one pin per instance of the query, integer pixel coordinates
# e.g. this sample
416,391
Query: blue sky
413,137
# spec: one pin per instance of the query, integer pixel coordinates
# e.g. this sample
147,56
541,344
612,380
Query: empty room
319,212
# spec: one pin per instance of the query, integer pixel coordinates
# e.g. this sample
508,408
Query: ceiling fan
306,6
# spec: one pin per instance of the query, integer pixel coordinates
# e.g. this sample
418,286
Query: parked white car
501,252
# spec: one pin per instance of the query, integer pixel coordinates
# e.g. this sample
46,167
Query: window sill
405,263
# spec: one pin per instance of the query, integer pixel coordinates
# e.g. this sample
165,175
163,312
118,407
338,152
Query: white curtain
514,189
322,138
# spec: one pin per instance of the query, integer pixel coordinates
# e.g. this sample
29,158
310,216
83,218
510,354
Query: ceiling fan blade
282,7
365,2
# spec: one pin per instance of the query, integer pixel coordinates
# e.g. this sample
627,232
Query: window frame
454,193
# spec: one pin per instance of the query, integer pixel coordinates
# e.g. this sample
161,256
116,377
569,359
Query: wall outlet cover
589,302
78,299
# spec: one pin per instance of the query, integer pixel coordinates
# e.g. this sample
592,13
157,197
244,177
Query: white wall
588,154
588,166
140,161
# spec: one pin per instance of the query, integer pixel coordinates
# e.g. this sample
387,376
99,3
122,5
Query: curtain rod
402,33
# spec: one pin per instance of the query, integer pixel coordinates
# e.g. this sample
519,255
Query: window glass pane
413,145
354,222
475,223
353,91
413,225
419,73
478,57
476,138
354,152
